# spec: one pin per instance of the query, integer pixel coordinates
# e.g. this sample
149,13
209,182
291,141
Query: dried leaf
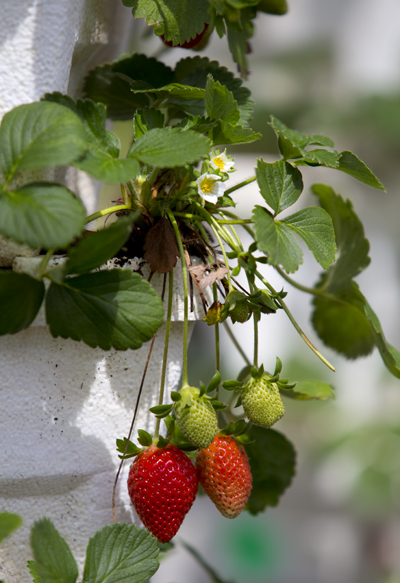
213,276
206,275
160,247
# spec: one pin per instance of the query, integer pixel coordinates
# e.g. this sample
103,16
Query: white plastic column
62,404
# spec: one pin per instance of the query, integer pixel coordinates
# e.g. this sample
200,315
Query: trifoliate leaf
272,461
168,147
314,226
54,561
177,20
121,553
220,102
42,215
351,164
20,299
352,246
277,241
114,308
95,248
280,184
340,321
111,83
8,523
39,135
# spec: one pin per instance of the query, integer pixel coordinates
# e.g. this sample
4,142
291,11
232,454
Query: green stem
107,211
295,324
255,322
240,185
244,224
166,343
185,382
44,262
234,221
217,346
236,344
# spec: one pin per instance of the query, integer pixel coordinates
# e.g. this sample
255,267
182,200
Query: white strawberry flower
221,162
210,187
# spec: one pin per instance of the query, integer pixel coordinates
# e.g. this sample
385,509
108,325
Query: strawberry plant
177,213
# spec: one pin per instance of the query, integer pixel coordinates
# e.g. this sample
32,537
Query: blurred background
329,68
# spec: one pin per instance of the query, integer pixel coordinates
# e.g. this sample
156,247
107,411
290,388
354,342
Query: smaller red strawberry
162,486
224,472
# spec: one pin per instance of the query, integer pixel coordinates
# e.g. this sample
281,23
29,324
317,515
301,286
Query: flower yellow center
219,163
207,185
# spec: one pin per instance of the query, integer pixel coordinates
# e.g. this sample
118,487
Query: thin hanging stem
107,211
166,343
240,185
131,427
185,382
236,344
217,345
295,324
255,322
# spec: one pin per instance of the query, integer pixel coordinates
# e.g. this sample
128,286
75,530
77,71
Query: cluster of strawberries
163,481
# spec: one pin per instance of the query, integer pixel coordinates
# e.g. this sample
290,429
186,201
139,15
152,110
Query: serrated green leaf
97,247
121,553
314,226
102,166
312,389
351,164
220,103
168,147
39,135
177,20
173,90
114,308
272,461
34,571
20,299
111,84
292,143
227,134
280,184
390,355
277,241
54,560
319,157
352,246
147,119
42,215
340,321
8,522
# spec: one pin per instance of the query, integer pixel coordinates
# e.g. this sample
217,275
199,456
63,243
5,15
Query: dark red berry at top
162,485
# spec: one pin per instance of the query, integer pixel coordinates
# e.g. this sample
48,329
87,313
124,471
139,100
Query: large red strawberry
162,485
224,472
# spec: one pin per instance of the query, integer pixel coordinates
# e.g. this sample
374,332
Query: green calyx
196,417
261,401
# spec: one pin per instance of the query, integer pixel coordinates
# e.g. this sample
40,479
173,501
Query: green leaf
311,389
389,354
177,20
103,166
20,299
314,226
340,321
273,6
147,119
114,308
173,90
38,135
34,571
8,523
168,147
280,184
277,241
228,134
353,247
318,157
220,103
42,215
349,163
54,560
272,461
292,143
121,553
111,83
97,247
238,45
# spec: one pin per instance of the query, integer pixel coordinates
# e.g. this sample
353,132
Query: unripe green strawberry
240,312
196,417
262,401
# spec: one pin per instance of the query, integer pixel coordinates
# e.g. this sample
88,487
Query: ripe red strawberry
162,485
224,472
